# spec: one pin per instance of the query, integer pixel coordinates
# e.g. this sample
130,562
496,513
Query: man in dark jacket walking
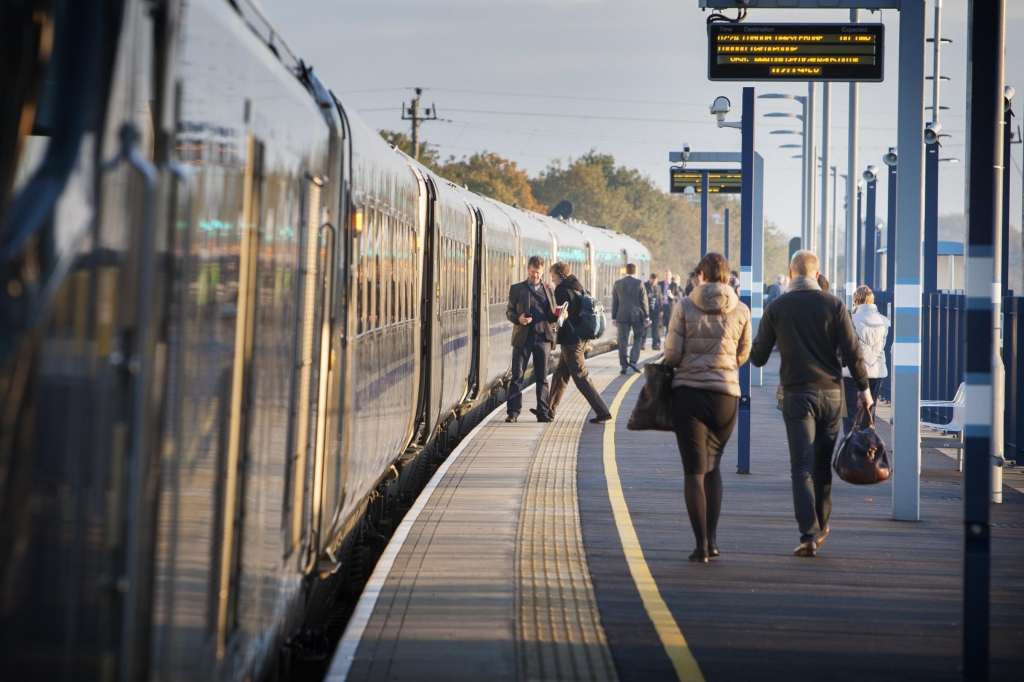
629,313
808,325
572,360
531,308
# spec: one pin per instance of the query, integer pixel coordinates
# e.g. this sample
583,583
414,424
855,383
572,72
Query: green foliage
495,177
429,156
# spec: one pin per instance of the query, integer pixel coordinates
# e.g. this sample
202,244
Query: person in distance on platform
872,329
669,295
808,325
692,282
629,313
708,340
734,282
572,361
776,290
653,291
531,309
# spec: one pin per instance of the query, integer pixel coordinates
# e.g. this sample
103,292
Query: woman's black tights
703,494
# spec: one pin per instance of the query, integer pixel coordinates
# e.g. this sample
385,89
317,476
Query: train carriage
261,328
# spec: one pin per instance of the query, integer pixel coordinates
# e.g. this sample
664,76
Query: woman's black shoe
712,551
699,556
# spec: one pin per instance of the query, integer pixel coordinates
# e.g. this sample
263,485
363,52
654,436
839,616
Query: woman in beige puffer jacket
708,339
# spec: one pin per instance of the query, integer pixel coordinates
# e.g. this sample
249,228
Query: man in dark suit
531,308
653,291
630,313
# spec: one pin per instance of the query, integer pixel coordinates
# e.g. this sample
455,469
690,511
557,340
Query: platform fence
943,363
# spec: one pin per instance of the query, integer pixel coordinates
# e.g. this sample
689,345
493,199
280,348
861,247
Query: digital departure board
719,181
796,52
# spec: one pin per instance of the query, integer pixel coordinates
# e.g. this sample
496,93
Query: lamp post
869,249
807,118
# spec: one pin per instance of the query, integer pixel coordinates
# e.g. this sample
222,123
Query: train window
387,276
360,283
375,272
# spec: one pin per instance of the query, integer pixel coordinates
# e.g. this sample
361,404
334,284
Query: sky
543,80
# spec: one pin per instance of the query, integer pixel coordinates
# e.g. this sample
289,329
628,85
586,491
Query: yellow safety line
664,623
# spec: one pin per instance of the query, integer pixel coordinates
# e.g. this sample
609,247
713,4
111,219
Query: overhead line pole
810,166
850,259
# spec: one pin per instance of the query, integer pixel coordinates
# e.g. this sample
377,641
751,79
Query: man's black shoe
533,410
511,419
623,370
600,419
544,420
635,368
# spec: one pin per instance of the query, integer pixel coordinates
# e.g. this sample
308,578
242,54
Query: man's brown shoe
806,549
821,537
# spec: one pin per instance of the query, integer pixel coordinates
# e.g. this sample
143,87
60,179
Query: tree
429,155
493,176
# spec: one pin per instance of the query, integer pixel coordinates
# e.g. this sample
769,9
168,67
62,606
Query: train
239,333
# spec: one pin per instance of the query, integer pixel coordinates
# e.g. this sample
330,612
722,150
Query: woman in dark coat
571,360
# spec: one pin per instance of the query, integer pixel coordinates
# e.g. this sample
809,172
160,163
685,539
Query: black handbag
653,411
862,458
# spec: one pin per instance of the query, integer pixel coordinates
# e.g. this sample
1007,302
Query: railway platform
558,551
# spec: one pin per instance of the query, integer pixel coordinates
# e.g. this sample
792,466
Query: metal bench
955,427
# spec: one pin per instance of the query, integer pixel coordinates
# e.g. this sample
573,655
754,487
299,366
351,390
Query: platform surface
518,564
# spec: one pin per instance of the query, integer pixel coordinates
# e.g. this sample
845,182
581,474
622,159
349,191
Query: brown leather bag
653,411
862,458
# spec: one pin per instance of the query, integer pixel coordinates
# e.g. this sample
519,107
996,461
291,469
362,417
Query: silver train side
237,334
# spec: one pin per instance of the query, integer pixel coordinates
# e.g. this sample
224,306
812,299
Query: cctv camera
686,147
890,158
721,106
689,190
931,132
1008,94
871,174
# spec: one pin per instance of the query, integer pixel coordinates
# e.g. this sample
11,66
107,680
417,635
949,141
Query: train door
479,294
303,415
431,376
239,382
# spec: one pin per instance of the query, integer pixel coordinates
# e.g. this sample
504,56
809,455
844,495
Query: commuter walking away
809,325
571,360
629,313
708,340
734,282
669,295
531,308
872,329
777,289
653,291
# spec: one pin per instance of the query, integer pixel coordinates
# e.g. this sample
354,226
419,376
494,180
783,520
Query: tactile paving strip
558,627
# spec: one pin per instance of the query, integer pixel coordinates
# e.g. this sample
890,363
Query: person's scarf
804,284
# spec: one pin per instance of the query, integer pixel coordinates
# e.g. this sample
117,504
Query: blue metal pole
931,218
890,237
746,271
869,236
985,138
703,214
726,253
905,253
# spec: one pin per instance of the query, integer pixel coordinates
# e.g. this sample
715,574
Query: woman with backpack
571,359
708,340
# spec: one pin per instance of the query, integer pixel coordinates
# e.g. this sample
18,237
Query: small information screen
796,52
719,181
